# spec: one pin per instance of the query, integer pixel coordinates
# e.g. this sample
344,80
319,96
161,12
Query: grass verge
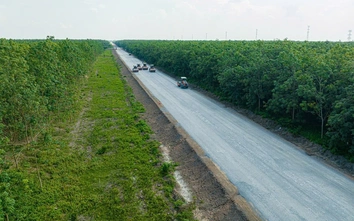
96,163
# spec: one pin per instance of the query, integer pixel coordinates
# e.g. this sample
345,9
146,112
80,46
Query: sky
299,20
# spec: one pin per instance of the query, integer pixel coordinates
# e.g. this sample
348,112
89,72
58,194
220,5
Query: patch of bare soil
215,197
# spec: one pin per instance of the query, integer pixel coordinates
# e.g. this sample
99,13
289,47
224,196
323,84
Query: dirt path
216,198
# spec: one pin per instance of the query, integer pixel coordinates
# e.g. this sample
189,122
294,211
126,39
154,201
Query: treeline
37,78
304,85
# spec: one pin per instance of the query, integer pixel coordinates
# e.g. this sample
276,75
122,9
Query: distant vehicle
130,54
145,67
182,83
135,69
152,68
139,67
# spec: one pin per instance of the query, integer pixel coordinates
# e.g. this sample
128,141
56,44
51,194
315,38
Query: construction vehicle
152,68
182,83
135,69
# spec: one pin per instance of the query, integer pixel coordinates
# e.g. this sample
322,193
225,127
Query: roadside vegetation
304,86
73,143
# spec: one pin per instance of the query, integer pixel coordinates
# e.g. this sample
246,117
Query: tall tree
341,123
285,98
316,86
259,78
44,65
20,106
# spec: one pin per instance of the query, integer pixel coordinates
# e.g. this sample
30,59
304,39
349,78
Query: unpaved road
215,198
275,176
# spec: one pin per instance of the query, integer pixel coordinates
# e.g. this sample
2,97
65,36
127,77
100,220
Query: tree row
37,78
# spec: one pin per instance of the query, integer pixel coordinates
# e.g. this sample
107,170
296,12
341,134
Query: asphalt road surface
277,178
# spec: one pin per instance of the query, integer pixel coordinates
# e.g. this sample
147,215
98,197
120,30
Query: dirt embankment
215,197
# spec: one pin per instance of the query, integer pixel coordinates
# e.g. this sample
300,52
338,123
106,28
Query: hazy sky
177,19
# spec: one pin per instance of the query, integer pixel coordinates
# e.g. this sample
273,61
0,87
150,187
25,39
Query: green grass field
97,162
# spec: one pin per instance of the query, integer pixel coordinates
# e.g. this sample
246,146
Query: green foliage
3,139
167,168
37,79
341,122
7,203
105,169
306,82
19,104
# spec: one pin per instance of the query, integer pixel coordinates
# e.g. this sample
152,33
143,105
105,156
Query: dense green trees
36,79
306,84
341,121
18,101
